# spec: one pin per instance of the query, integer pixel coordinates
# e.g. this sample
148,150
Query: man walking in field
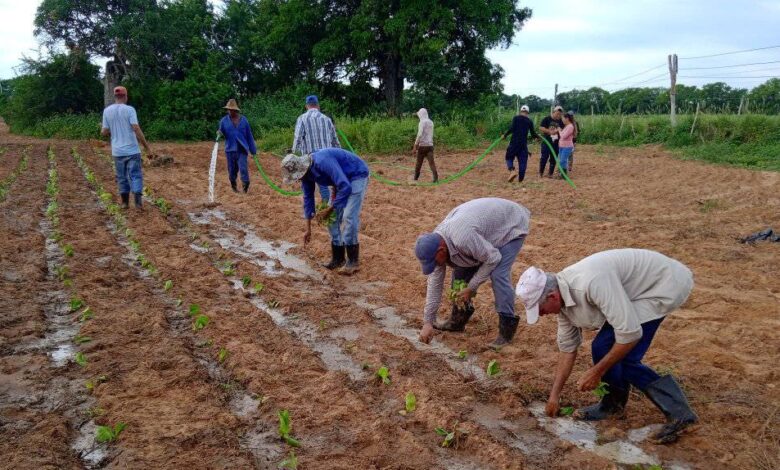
479,239
625,294
518,145
121,123
314,131
348,174
423,145
549,129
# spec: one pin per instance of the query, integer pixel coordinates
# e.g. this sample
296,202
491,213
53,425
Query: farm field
92,333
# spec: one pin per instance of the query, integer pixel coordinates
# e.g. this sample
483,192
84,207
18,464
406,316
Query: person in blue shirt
348,175
239,141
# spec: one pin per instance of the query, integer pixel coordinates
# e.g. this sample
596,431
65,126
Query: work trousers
501,277
425,153
129,175
546,156
521,154
236,162
344,231
630,370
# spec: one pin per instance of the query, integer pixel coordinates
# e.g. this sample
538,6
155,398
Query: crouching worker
625,294
348,174
479,239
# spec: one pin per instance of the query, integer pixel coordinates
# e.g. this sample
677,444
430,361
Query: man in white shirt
121,123
625,294
423,145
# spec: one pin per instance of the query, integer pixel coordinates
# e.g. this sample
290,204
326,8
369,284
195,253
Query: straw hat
294,167
231,104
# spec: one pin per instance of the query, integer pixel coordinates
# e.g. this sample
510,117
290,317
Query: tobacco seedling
228,269
285,428
179,302
78,339
201,321
163,205
273,303
602,390
291,462
95,412
62,272
68,250
259,287
493,369
168,285
194,309
331,217
567,411
222,355
86,314
245,281
75,304
108,433
453,293
81,359
448,436
105,197
411,402
384,374
463,354
91,384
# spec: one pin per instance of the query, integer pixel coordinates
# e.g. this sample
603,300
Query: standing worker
239,142
121,123
549,130
566,143
423,145
574,141
314,131
348,175
625,294
518,146
479,239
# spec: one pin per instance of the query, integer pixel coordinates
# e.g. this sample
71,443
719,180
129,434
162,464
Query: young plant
163,205
601,390
245,281
108,433
567,411
86,314
68,250
453,293
384,374
179,302
194,309
81,359
331,217
75,304
62,272
259,287
291,462
463,354
411,402
228,269
273,303
222,355
201,321
78,339
450,437
493,369
168,285
285,428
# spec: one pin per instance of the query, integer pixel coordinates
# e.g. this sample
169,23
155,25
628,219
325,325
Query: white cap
529,289
558,108
524,108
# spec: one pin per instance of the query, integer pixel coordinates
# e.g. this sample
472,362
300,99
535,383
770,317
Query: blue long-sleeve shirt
331,167
237,138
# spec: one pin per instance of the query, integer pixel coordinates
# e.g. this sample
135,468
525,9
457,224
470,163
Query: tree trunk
392,82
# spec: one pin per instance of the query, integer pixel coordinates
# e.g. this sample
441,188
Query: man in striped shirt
314,131
479,239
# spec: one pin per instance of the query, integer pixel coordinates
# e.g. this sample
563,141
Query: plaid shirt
474,231
314,131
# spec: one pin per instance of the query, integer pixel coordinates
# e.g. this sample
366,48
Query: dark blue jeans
129,175
521,154
236,162
629,371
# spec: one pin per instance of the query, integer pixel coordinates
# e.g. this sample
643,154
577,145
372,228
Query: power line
736,77
734,65
632,76
729,53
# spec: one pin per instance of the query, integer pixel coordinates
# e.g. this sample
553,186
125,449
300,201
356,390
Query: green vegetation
68,250
493,369
80,359
168,285
463,354
259,287
567,411
201,321
291,462
285,429
79,339
222,355
451,438
86,314
601,390
384,375
108,433
75,304
245,281
194,309
453,293
410,402
5,183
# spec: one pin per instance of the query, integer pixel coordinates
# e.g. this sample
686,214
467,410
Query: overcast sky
581,43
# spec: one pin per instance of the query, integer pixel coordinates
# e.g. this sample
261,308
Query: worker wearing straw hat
239,141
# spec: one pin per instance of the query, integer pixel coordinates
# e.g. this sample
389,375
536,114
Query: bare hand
306,237
465,296
589,380
323,214
426,334
552,408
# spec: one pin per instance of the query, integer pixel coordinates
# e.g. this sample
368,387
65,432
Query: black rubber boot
353,260
246,186
139,200
233,186
125,200
458,319
613,404
507,326
666,394
337,257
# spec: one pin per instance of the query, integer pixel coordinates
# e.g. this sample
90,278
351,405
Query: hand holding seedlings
590,379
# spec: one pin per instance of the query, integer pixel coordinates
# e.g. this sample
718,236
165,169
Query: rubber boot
125,200
353,260
613,404
139,200
458,318
246,186
337,257
233,186
507,326
666,394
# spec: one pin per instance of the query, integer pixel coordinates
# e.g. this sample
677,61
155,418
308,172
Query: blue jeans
236,162
349,217
563,155
501,277
522,160
129,175
629,371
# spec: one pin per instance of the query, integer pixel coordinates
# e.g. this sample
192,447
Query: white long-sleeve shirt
424,129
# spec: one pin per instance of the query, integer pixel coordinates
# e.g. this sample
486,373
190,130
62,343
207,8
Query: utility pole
555,98
673,88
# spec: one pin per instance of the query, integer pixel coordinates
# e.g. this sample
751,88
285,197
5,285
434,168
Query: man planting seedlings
479,239
625,294
348,174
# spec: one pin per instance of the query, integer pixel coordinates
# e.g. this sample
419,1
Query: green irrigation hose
270,183
555,156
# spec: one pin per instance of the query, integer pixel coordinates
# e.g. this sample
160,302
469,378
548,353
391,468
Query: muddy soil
309,341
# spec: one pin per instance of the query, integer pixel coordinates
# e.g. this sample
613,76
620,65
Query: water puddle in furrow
263,253
583,435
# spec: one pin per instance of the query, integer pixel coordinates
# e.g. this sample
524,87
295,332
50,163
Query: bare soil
311,341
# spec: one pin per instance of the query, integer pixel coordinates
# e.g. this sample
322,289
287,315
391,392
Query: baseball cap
425,250
558,108
120,90
294,167
524,108
312,99
529,289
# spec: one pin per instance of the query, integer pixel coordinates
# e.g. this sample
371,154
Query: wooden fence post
673,88
695,116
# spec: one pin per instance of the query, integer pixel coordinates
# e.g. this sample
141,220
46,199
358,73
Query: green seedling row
6,183
109,433
285,429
